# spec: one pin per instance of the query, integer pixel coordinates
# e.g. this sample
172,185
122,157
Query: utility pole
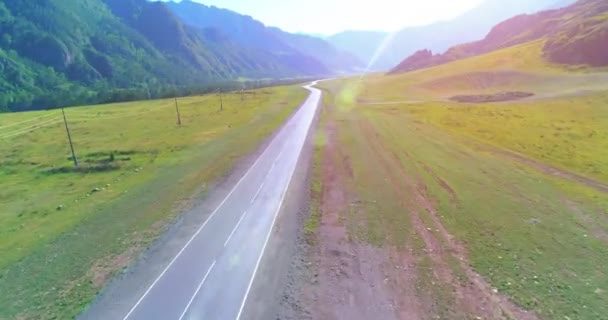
221,102
67,130
179,118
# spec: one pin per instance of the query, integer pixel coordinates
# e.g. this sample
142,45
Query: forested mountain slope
292,49
66,52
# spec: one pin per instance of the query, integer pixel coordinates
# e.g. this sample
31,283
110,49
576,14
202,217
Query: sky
333,16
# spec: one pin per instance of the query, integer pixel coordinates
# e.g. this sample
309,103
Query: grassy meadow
517,68
562,125
569,133
434,179
64,232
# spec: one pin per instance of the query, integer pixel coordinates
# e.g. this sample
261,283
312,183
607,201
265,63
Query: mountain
438,37
65,52
250,33
336,60
316,35
362,44
574,35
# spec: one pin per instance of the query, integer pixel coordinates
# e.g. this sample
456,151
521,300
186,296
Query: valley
188,160
65,53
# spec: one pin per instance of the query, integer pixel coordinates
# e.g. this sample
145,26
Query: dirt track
343,277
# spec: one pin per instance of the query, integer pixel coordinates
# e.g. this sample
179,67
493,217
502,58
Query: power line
29,120
109,117
116,116
81,118
31,128
22,132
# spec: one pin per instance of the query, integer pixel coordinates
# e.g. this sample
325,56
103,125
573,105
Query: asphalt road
211,276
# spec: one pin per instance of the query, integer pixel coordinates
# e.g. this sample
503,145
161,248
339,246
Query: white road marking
257,193
274,163
252,200
199,230
200,285
257,265
275,139
235,227
280,154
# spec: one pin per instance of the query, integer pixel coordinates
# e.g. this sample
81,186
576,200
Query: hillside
292,49
488,168
491,195
55,53
574,35
438,37
336,60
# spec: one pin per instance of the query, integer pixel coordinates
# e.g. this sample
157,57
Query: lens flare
379,51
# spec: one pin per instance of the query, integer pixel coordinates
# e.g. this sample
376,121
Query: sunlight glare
332,16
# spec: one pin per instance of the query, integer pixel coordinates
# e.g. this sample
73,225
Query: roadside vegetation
320,141
485,210
65,231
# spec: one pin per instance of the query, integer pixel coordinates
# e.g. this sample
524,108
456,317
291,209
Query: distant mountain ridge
248,32
363,44
438,37
575,35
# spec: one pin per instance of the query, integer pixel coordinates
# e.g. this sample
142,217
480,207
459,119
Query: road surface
212,274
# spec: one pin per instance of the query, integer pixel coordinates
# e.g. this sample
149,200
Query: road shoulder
123,291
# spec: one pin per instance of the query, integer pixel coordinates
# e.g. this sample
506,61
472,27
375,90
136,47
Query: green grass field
64,232
427,177
569,133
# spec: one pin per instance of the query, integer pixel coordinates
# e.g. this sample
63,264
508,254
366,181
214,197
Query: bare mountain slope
575,35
